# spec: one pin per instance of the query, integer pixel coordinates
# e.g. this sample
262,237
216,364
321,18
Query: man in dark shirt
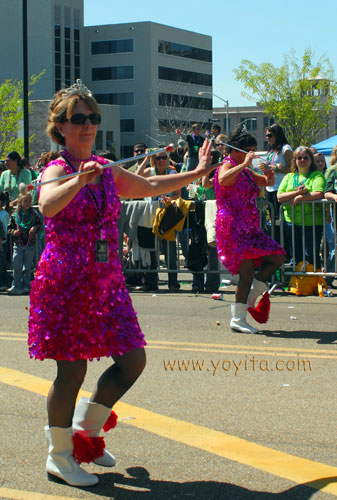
194,143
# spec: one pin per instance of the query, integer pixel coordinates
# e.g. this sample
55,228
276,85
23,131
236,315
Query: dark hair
303,149
280,137
239,138
215,155
140,145
217,127
108,155
14,155
4,199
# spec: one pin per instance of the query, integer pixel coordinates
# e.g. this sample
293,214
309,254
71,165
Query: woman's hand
32,231
204,166
302,189
95,170
248,159
270,174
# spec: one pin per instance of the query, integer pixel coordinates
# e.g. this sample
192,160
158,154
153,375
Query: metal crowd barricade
267,222
329,217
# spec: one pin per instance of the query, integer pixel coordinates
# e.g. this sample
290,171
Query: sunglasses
139,151
161,158
80,119
303,158
219,144
269,136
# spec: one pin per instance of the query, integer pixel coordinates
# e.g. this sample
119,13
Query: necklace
24,222
297,182
70,157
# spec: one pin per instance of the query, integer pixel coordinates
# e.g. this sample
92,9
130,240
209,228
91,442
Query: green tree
299,95
11,114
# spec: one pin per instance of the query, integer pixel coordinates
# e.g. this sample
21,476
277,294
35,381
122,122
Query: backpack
307,285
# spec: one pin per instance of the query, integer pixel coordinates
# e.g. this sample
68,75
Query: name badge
102,251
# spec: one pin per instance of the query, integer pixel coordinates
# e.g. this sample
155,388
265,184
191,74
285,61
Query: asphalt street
215,415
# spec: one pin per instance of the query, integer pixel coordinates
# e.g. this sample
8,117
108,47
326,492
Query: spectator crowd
300,176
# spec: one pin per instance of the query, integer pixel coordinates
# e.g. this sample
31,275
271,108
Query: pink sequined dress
237,223
80,308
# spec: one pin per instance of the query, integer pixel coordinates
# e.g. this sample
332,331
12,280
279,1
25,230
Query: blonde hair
333,158
61,109
153,159
21,197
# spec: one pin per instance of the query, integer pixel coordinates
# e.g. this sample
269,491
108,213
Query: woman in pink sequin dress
80,308
241,244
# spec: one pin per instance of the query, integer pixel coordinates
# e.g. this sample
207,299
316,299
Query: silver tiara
77,88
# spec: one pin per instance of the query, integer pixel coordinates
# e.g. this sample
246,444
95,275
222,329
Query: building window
99,140
67,47
112,46
126,151
268,122
121,99
57,50
250,123
227,126
179,75
184,101
171,125
112,73
109,139
128,125
177,49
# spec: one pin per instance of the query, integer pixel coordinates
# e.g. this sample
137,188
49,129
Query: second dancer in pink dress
242,245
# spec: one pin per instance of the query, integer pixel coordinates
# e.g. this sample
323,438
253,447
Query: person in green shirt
304,183
14,176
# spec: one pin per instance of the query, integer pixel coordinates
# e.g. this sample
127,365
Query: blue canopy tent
326,146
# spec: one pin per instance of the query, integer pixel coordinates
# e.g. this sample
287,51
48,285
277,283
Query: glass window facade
177,49
122,98
109,139
112,46
171,125
112,73
179,75
99,141
128,125
184,101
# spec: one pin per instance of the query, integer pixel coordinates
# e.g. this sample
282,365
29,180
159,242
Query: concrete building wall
40,21
145,84
42,142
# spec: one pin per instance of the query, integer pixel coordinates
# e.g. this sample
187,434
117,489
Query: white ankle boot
238,321
60,462
88,421
258,288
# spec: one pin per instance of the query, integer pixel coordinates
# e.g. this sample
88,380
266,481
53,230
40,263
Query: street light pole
25,80
223,100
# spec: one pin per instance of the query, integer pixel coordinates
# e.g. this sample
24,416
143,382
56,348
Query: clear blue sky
259,31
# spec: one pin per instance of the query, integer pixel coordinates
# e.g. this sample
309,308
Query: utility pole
25,79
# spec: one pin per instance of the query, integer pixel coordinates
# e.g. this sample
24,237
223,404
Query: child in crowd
24,225
4,219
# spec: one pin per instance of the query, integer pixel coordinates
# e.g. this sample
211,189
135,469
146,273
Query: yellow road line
227,351
290,467
226,348
12,334
30,495
240,346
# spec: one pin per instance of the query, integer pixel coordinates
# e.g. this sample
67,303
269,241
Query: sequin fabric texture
237,223
80,308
